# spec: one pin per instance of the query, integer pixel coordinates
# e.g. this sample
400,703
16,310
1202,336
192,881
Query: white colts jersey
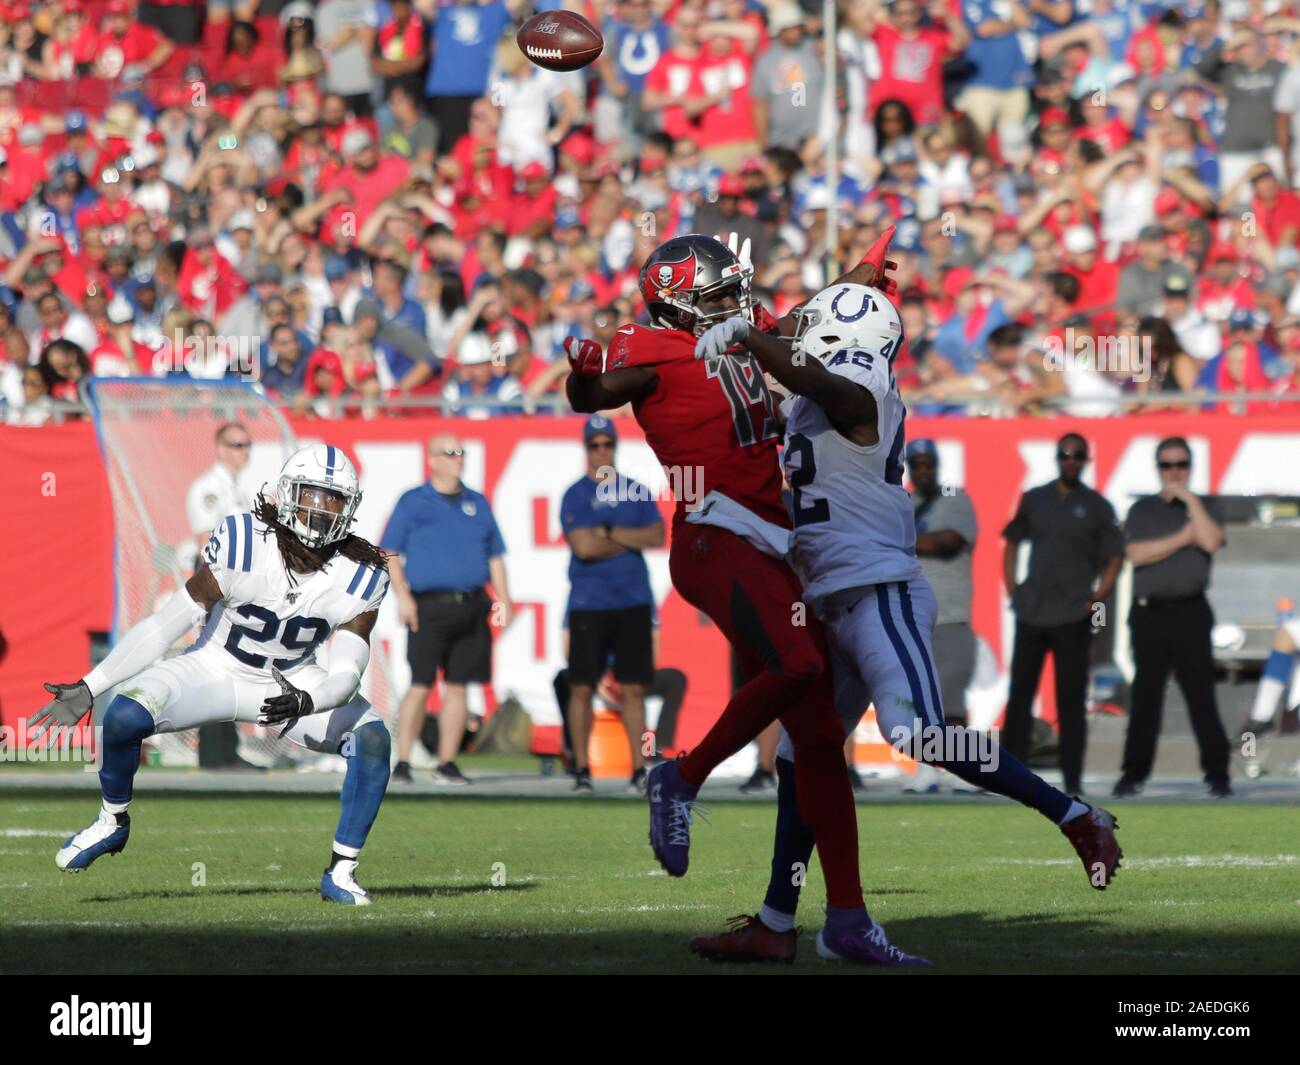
853,523
265,619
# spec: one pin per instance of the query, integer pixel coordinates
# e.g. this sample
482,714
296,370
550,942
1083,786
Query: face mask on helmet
319,508
686,313
845,316
815,337
694,310
317,495
741,303
316,514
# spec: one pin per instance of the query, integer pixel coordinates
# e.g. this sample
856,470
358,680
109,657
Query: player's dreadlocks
303,559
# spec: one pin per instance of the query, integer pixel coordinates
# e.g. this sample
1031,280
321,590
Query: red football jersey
712,426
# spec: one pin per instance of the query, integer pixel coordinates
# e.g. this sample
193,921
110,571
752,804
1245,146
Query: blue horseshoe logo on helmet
867,305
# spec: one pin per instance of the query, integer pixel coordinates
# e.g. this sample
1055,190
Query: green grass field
981,887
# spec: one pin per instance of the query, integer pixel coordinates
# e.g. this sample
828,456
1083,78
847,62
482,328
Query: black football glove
290,703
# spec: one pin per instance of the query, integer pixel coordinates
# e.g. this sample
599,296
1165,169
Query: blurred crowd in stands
365,205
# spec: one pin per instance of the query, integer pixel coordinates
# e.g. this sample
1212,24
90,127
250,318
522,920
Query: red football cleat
748,940
1093,837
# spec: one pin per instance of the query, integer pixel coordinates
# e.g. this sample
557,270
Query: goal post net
157,437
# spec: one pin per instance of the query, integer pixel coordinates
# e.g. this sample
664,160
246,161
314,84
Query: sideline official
945,538
210,498
608,520
1171,540
219,491
1076,550
449,547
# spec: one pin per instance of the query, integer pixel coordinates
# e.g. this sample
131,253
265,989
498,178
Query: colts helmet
848,316
682,270
321,466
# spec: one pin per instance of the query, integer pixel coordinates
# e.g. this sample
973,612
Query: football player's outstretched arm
139,648
590,394
590,388
872,271
349,656
148,640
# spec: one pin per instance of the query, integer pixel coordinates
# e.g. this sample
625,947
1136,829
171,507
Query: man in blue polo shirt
609,520
464,36
997,92
635,38
449,547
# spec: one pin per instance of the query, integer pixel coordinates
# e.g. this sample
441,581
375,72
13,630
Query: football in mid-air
560,40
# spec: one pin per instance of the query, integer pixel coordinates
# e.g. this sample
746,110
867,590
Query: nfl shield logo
469,508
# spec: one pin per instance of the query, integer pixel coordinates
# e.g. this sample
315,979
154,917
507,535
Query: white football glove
70,704
726,334
740,251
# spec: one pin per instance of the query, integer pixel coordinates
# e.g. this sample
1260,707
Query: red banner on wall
56,543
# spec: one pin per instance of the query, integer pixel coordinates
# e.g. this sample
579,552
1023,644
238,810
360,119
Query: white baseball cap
146,155
357,140
784,17
1079,240
474,350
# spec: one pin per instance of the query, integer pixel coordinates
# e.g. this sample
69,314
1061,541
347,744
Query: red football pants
756,601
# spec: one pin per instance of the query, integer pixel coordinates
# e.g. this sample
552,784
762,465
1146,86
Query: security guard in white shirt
219,491
212,496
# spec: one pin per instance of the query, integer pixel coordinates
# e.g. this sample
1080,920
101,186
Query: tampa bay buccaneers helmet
682,270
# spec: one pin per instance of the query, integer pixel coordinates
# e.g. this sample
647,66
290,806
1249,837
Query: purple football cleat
863,944
672,808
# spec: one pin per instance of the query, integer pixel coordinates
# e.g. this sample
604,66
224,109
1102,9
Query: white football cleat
340,885
107,834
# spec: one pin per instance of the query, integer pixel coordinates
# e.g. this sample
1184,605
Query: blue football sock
793,847
837,917
1001,772
365,783
124,727
1278,665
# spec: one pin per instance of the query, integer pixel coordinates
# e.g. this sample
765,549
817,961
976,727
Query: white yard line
1178,861
27,833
